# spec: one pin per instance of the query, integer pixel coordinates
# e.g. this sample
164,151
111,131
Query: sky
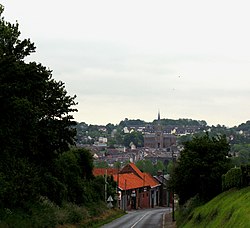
131,59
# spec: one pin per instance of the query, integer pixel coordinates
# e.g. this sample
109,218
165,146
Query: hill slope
229,209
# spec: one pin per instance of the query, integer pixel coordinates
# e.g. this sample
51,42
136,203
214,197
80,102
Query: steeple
159,128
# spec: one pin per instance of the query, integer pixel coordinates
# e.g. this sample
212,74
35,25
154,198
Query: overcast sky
129,59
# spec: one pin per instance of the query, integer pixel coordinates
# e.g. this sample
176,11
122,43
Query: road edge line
163,220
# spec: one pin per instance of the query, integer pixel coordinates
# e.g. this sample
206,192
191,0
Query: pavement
168,221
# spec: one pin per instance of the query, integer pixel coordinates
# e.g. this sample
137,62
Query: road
147,218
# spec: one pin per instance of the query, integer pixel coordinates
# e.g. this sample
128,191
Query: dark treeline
38,159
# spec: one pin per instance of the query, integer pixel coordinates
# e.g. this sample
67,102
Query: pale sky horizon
129,59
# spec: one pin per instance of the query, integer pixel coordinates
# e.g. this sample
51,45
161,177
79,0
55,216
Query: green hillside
229,209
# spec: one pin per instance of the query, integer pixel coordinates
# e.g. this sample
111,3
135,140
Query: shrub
18,183
245,175
185,211
233,178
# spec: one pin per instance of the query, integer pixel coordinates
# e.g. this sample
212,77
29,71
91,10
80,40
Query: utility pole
173,189
117,187
105,187
125,197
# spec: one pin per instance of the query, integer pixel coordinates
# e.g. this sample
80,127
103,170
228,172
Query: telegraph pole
173,189
105,187
117,187
125,198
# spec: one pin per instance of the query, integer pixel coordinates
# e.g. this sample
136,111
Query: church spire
159,116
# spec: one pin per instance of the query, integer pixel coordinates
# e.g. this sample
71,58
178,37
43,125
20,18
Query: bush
45,213
75,213
233,178
185,211
19,183
245,175
53,188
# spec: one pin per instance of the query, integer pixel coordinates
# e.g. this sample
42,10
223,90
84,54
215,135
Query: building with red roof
147,195
136,189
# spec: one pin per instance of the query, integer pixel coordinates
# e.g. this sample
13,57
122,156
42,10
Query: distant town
159,140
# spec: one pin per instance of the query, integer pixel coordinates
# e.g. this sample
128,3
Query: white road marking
163,220
139,220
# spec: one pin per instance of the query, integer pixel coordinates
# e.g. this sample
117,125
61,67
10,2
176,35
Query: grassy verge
229,209
46,214
103,219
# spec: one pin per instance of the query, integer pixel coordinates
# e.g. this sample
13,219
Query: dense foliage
233,178
37,134
200,167
182,122
240,154
148,167
127,123
135,138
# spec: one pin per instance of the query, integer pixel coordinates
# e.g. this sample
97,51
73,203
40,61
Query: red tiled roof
134,167
151,180
147,179
129,181
133,177
102,171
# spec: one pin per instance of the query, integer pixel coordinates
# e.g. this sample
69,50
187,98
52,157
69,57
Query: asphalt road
147,218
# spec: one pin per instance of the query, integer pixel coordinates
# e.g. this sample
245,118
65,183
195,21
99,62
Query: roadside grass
45,214
229,209
103,219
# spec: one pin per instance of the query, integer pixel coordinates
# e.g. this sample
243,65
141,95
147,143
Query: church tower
159,133
158,139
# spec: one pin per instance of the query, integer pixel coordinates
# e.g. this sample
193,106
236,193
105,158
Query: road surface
147,218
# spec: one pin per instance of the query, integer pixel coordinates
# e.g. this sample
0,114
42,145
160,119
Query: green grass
229,209
45,214
105,218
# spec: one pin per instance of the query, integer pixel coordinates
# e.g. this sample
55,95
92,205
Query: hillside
229,209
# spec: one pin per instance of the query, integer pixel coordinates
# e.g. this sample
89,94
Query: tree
35,119
243,154
74,169
200,167
159,166
117,165
135,137
101,164
170,167
146,166
110,127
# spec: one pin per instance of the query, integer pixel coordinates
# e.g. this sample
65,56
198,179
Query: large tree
35,119
200,167
134,137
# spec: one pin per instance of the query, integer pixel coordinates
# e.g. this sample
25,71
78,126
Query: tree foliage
148,167
35,117
127,123
182,122
101,164
36,131
241,154
200,167
233,178
134,137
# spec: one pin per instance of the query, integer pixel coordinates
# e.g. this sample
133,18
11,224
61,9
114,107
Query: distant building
159,139
136,189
